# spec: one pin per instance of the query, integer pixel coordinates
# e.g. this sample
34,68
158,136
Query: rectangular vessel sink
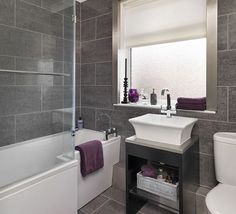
155,127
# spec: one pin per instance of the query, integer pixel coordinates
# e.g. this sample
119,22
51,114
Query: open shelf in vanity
184,159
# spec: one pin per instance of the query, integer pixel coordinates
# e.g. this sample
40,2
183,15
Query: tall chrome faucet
167,110
163,91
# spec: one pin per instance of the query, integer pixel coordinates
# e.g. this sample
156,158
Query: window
178,66
169,44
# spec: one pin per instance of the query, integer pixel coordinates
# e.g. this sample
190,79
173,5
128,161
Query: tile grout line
227,14
15,13
96,39
206,154
43,8
227,31
95,28
15,76
94,17
108,199
41,98
15,129
227,104
95,120
95,85
97,62
35,58
118,202
80,60
111,198
28,113
95,73
31,31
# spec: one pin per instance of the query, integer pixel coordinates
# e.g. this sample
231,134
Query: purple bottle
133,95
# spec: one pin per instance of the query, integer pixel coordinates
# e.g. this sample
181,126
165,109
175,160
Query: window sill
158,106
139,105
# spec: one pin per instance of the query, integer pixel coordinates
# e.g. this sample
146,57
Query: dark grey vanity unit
182,159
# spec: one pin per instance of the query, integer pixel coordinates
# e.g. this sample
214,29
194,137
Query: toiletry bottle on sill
80,123
153,98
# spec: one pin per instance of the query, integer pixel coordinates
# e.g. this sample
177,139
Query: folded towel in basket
148,171
91,155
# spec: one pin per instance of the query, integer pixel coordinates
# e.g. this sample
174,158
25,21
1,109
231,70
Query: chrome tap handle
164,90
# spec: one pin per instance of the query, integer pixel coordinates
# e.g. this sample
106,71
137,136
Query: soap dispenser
153,98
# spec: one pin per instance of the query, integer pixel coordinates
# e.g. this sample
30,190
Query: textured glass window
178,66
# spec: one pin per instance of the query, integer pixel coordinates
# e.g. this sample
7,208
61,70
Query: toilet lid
222,199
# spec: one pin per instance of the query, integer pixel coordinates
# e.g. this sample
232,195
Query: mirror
168,44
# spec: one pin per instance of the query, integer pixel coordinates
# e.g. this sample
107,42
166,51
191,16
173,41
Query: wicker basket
157,187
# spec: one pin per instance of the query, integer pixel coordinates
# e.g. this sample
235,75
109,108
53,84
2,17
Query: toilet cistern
221,199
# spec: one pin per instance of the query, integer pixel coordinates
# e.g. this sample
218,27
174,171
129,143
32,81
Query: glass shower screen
37,81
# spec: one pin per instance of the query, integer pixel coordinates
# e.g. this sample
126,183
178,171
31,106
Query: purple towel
91,155
148,171
150,174
191,106
185,100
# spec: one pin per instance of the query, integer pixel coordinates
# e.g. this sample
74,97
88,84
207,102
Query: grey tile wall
94,53
18,42
7,12
35,125
38,19
93,8
97,106
35,35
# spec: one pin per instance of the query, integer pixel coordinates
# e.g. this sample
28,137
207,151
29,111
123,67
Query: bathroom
70,71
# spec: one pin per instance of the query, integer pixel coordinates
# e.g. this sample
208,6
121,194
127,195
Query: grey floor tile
111,207
115,194
94,204
112,201
153,209
201,205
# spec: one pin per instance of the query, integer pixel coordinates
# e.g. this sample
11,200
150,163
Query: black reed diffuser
125,99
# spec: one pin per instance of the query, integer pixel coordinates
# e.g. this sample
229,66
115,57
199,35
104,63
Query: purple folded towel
91,155
191,106
185,100
147,167
150,174
148,171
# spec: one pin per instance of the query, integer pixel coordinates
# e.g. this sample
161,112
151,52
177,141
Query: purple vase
133,95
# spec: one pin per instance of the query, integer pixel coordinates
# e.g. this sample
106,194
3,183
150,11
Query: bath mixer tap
111,132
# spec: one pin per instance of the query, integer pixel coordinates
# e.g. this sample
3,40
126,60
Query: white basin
155,127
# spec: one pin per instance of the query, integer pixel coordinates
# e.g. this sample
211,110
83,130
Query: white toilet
222,198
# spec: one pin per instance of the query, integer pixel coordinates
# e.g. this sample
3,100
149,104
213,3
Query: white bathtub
94,184
35,179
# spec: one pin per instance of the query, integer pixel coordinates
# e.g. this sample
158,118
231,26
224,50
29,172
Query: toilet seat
222,199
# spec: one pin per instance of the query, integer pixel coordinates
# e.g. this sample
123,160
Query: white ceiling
81,1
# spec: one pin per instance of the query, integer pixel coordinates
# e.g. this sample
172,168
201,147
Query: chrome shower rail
34,73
